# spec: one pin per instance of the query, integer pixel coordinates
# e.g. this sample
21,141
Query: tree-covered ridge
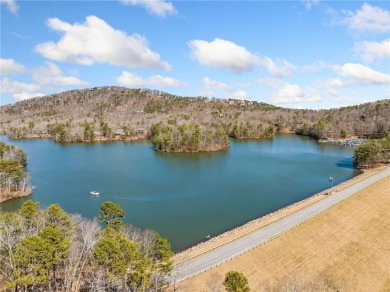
50,250
374,152
14,180
108,113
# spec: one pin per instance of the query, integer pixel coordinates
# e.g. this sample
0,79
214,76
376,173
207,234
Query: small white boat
94,193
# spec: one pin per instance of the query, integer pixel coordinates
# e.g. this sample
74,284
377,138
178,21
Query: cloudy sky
301,54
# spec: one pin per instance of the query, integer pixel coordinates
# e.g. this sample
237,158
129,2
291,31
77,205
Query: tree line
51,250
114,113
188,137
13,175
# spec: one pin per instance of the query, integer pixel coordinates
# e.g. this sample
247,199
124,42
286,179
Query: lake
183,196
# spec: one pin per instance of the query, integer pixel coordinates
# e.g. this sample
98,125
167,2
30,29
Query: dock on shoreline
352,142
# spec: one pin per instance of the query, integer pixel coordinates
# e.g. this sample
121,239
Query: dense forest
117,113
51,250
14,180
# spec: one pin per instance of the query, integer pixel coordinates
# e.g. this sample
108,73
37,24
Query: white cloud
9,66
368,19
292,94
156,7
271,82
52,74
240,94
363,74
336,82
280,68
9,86
224,54
346,100
373,50
19,90
211,84
11,4
25,95
133,80
288,93
96,41
318,66
333,92
355,75
19,36
310,3
223,90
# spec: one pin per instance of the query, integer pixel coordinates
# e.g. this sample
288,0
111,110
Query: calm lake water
184,196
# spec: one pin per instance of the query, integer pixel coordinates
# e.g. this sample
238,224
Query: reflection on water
184,196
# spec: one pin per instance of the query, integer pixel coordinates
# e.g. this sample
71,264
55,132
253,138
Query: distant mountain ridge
120,113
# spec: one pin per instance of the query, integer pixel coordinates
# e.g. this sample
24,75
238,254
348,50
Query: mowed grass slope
346,247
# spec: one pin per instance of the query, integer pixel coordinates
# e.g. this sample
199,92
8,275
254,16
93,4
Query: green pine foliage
13,175
373,152
51,250
111,215
236,282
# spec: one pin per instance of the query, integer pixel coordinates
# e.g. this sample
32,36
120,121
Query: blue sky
302,54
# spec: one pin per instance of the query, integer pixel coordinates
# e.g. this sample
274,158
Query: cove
183,196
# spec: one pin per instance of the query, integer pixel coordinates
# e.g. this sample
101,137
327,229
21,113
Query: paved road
226,252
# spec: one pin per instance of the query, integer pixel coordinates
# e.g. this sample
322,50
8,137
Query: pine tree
112,215
236,282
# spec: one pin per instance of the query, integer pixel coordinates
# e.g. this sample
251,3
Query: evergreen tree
116,256
111,214
56,217
59,249
31,213
161,254
236,282
33,259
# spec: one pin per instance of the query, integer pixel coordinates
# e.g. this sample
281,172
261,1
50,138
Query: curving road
231,250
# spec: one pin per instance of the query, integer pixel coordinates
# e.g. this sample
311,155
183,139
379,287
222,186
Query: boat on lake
94,193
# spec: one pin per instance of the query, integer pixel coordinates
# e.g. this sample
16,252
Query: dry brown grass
347,246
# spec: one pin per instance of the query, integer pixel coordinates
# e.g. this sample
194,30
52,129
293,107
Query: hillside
108,113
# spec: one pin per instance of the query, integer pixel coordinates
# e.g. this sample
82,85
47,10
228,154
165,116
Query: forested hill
110,112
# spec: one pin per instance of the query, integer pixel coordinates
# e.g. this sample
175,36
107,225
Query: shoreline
200,150
96,139
14,195
258,223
